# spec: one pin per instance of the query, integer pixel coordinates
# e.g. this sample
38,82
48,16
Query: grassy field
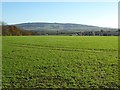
60,62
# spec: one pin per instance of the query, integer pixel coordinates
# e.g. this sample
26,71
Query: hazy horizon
59,23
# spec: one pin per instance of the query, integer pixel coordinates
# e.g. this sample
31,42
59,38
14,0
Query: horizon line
64,23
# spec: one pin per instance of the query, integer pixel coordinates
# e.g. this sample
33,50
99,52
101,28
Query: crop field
60,62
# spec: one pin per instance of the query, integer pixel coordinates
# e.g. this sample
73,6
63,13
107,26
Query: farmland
60,62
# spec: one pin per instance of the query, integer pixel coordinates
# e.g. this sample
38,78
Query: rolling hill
63,27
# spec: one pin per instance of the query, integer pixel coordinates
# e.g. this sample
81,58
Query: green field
60,62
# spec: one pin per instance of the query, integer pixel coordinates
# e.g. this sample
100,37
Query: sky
104,14
59,0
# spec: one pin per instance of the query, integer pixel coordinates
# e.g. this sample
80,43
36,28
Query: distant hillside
63,27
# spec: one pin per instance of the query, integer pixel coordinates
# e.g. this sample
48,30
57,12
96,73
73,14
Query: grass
60,62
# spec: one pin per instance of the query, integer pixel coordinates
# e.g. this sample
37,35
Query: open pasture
60,62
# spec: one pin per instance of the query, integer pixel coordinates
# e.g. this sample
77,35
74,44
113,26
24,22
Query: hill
60,27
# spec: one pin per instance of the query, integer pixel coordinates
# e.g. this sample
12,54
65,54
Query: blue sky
91,13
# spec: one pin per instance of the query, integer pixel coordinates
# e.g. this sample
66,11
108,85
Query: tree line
11,30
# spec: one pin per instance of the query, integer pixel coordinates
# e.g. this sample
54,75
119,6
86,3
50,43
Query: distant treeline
12,30
96,33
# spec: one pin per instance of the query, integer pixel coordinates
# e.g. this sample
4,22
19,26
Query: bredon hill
41,28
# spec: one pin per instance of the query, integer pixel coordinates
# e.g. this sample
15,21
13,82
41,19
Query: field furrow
60,62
